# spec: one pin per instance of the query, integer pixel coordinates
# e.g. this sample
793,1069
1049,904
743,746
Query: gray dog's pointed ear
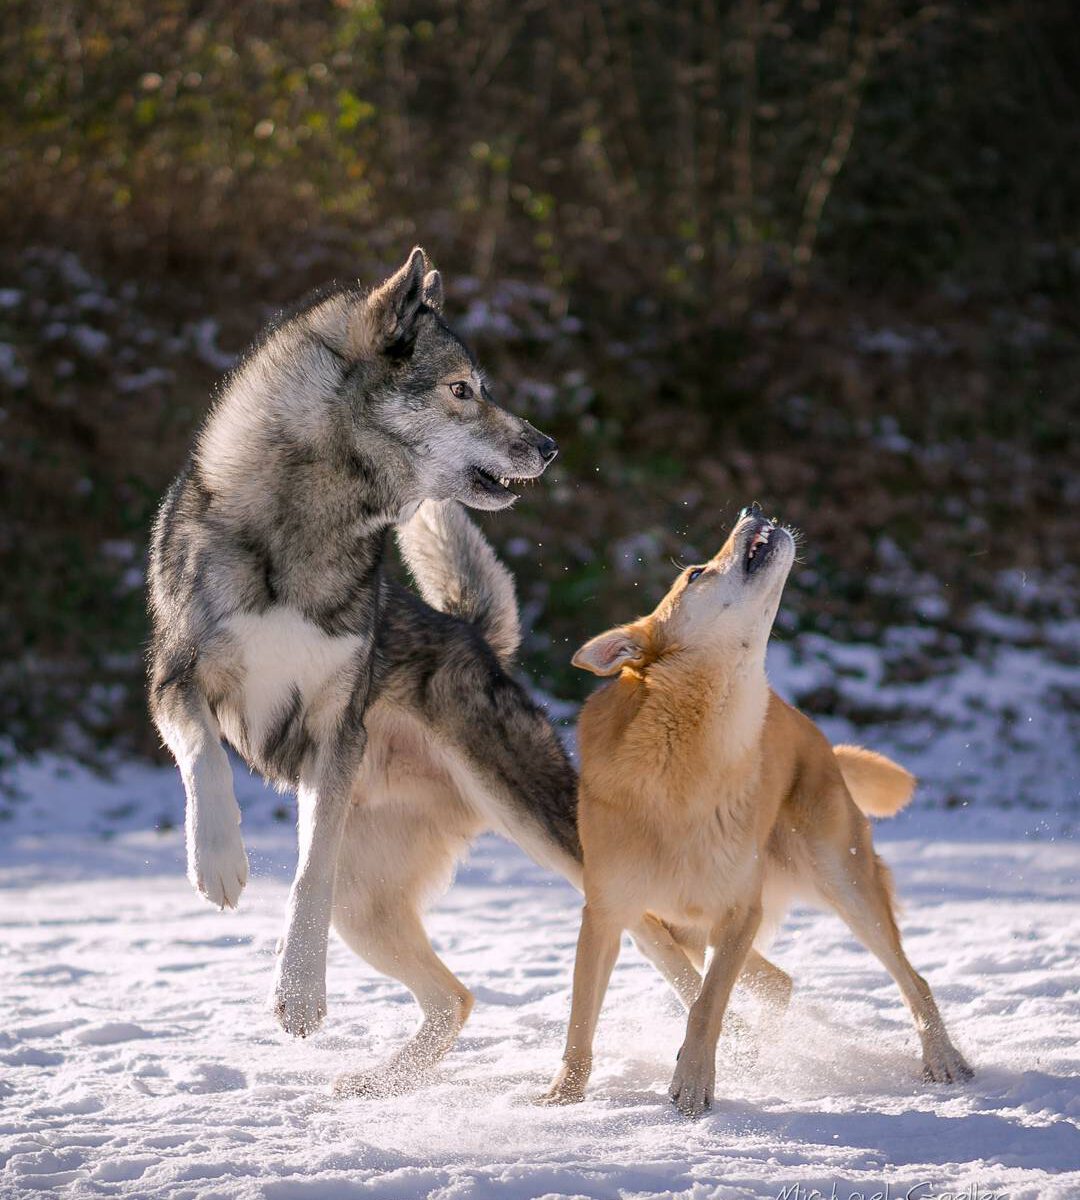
433,293
608,653
386,321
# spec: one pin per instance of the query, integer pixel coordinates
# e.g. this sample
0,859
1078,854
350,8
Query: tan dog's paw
945,1064
692,1084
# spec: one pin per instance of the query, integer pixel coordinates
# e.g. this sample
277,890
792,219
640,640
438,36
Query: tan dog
709,803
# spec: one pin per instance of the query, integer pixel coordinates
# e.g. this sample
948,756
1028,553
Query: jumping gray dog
393,717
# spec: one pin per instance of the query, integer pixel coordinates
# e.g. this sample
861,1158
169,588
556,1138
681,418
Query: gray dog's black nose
548,449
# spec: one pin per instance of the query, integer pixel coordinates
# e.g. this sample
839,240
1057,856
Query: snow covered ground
138,1060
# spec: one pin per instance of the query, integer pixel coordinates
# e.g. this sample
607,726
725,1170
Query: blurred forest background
817,253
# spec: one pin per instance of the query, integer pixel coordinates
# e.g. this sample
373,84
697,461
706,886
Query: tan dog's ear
608,653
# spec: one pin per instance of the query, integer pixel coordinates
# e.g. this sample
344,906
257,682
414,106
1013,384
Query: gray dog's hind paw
557,1097
297,1024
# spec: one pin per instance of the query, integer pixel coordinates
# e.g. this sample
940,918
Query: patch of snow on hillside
997,729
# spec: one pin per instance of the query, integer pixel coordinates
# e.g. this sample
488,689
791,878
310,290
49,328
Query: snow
901,346
998,728
204,335
12,372
141,380
92,342
139,1061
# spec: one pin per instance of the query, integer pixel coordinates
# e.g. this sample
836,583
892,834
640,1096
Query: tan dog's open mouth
763,538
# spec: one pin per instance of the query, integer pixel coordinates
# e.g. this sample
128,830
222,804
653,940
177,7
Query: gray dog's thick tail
457,572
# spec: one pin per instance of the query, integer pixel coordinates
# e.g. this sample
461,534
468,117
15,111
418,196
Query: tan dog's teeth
759,539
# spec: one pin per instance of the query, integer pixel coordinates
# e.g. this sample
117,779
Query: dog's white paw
218,865
943,1063
692,1084
298,999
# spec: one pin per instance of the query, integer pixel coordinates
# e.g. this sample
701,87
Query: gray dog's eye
694,574
462,390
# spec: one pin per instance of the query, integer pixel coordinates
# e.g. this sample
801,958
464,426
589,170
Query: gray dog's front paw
298,999
218,865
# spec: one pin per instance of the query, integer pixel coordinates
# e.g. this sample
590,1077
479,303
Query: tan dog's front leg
597,950
695,1072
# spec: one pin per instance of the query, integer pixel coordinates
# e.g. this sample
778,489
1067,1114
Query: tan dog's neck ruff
684,728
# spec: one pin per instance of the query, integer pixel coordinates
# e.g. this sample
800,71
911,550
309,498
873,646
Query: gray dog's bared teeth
274,627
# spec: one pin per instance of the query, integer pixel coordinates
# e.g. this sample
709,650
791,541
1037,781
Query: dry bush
725,251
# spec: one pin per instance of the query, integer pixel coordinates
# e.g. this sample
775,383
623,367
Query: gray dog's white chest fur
281,654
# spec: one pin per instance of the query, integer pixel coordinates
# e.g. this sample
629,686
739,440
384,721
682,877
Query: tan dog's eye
694,574
462,390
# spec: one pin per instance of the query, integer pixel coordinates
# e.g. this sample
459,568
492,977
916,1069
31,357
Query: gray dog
392,717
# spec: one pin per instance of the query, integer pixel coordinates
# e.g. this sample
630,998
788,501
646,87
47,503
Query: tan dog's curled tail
880,787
